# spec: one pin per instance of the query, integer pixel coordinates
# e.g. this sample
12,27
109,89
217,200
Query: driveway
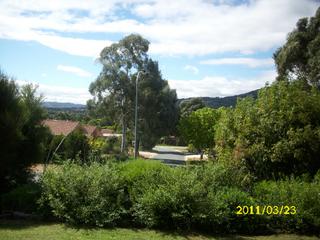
173,155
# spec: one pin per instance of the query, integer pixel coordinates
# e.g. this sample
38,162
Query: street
171,155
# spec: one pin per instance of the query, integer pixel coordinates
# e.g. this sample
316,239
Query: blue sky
204,47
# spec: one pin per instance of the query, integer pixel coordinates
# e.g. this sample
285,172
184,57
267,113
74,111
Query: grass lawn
14,230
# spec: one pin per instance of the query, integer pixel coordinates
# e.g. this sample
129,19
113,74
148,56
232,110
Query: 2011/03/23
267,209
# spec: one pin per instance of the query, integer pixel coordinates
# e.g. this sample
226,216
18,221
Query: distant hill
63,105
216,102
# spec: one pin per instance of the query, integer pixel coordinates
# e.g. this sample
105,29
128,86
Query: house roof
89,129
60,127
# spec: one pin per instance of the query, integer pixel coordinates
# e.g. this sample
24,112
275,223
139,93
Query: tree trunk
124,134
201,155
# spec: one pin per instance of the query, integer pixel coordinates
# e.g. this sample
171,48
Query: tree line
277,134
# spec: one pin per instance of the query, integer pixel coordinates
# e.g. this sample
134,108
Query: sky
211,48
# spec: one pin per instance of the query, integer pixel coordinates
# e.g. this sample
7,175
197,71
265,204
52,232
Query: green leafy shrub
84,194
220,175
148,193
189,197
168,198
136,175
134,170
226,188
218,212
304,196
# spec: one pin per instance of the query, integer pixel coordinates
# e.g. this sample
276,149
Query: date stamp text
267,209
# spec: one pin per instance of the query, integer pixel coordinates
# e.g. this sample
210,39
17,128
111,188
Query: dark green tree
114,90
22,134
33,146
157,107
11,122
299,58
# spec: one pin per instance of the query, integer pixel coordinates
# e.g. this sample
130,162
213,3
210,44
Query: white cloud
191,68
75,70
74,46
60,93
64,94
187,27
250,62
215,86
199,27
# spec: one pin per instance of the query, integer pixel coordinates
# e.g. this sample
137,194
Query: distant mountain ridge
230,101
63,105
214,102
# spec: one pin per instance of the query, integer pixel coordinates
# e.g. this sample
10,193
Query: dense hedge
146,193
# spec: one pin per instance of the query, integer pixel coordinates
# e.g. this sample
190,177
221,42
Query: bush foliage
150,194
275,136
84,194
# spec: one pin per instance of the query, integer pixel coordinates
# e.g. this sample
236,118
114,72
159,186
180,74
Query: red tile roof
60,127
89,129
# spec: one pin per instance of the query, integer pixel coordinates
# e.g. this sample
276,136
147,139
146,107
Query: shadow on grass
23,224
199,235
189,235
